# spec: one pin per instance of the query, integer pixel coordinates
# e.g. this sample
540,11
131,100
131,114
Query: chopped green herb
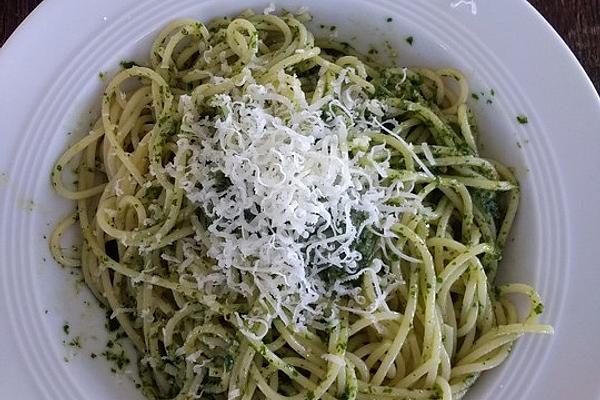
119,359
475,96
66,328
128,64
222,182
437,395
389,19
228,363
410,40
366,244
522,119
539,308
75,342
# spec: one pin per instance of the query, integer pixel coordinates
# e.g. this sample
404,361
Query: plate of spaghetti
372,200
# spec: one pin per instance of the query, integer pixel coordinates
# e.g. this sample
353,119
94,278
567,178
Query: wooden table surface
577,21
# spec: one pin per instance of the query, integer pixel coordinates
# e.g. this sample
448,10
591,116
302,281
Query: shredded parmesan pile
281,183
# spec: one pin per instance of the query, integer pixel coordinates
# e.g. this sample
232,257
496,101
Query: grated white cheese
118,191
234,394
332,358
282,182
427,153
470,3
269,9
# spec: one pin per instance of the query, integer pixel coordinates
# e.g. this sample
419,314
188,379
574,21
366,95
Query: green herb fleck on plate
128,64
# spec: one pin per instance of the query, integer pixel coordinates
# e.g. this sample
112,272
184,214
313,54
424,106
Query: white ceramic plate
49,83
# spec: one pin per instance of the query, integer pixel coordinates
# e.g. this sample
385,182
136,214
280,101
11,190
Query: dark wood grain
12,13
577,21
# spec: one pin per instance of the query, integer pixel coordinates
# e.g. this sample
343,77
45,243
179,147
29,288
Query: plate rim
28,27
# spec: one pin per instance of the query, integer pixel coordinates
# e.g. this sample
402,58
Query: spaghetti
269,216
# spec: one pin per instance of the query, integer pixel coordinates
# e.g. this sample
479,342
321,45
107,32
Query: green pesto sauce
487,201
228,363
